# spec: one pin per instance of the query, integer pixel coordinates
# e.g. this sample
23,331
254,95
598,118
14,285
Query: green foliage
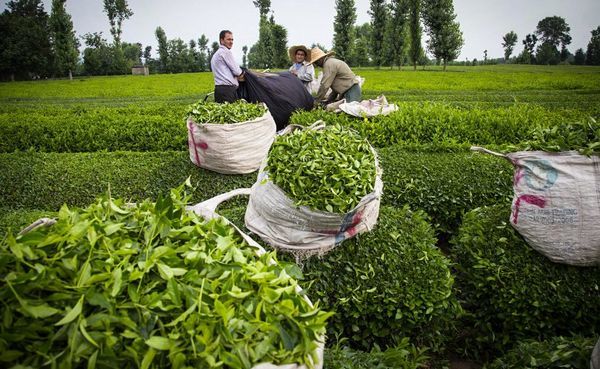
403,356
15,220
592,56
117,285
25,49
46,181
556,352
343,27
156,127
512,293
329,170
211,112
387,285
444,185
64,41
442,124
445,36
510,40
554,31
581,136
379,16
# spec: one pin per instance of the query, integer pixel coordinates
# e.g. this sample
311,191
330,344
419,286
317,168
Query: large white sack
207,209
304,232
556,204
235,148
364,108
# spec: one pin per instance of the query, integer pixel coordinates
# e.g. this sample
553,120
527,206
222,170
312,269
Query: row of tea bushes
442,124
443,185
161,127
511,292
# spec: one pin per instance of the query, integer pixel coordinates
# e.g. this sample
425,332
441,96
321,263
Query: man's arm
231,64
308,73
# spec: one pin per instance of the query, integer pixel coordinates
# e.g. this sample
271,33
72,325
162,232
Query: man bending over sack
337,75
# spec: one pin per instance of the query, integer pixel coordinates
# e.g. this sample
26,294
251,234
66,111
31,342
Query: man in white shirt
226,71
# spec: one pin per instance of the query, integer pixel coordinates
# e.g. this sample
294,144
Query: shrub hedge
440,124
45,181
444,185
386,285
512,293
158,127
556,352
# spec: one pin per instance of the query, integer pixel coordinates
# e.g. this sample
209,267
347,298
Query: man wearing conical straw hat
337,75
301,68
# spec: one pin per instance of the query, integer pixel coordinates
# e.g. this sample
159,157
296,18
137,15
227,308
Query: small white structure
139,70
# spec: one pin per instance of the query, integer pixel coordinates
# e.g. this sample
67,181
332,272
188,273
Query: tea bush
386,285
511,292
444,185
556,352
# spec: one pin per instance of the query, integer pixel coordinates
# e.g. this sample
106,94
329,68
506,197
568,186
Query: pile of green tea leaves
148,286
236,112
328,170
582,136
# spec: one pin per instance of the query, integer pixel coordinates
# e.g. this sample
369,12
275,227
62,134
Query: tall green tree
279,42
445,36
395,37
25,49
528,56
553,32
203,52
163,50
509,42
360,49
579,58
414,24
379,15
593,48
64,42
117,11
263,6
343,28
98,56
245,56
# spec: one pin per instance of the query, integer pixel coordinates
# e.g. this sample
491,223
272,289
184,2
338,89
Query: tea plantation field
443,277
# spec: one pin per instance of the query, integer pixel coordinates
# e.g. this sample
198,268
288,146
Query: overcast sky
483,22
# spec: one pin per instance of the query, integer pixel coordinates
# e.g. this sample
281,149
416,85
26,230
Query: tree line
542,46
35,44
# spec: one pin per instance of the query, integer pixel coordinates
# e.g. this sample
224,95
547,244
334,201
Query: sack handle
316,126
486,151
42,222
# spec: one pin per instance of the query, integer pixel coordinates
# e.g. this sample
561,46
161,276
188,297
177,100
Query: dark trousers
225,93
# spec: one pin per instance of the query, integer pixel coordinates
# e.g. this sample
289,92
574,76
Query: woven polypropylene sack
556,204
272,215
235,148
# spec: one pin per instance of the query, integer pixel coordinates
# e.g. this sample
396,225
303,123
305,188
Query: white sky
483,23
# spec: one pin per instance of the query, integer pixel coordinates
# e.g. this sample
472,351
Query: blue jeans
353,93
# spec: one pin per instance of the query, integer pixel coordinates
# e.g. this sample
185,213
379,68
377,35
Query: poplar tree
64,42
343,28
395,37
379,17
445,36
414,23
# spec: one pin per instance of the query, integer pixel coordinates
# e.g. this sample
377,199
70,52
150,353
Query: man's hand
294,72
241,77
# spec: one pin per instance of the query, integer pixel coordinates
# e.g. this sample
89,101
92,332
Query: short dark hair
223,33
